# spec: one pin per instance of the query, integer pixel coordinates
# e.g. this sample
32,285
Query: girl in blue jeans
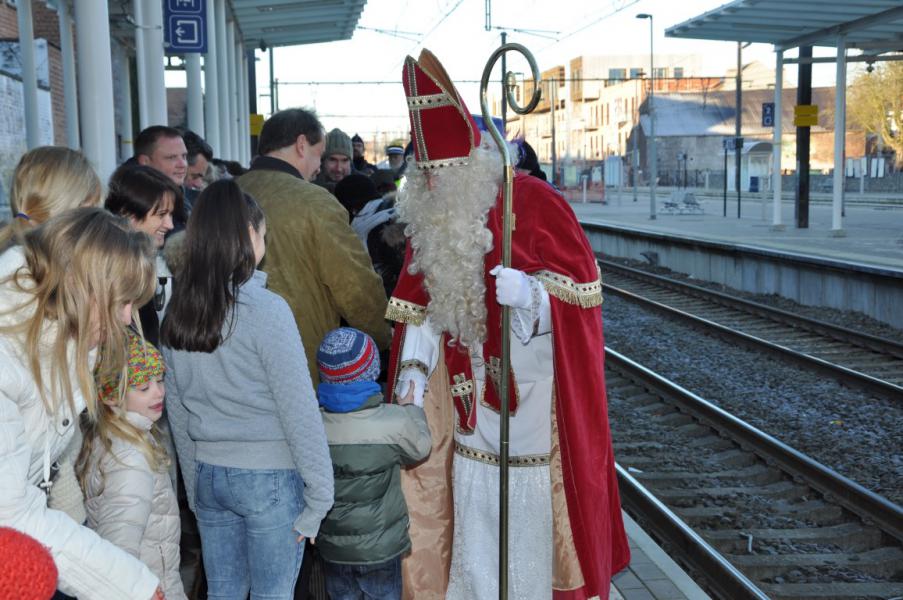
242,410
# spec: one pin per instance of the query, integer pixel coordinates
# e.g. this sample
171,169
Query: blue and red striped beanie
347,355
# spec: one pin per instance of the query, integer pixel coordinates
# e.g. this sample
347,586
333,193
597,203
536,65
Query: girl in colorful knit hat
123,466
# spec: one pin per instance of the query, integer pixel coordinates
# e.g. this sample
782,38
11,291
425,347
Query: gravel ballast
859,436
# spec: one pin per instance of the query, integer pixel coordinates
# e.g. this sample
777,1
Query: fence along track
794,528
859,360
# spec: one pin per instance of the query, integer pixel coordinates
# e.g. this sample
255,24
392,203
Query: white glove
407,378
512,287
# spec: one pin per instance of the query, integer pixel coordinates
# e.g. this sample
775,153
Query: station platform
871,234
651,575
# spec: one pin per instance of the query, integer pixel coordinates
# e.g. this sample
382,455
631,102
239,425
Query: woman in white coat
66,295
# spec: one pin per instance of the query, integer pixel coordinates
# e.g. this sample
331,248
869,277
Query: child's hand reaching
313,541
409,397
158,594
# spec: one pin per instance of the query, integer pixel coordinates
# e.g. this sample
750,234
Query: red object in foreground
27,570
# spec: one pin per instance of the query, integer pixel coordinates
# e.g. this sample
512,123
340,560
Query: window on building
678,72
637,73
661,72
617,74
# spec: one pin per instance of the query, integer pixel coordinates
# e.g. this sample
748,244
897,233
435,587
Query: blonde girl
66,295
47,181
123,469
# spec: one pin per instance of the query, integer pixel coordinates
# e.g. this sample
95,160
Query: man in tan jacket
314,259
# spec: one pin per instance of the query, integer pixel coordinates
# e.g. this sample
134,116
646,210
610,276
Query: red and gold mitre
442,128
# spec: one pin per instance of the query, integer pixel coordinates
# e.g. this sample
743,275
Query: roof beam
893,14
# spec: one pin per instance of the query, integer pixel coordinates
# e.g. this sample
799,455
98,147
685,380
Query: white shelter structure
110,32
875,28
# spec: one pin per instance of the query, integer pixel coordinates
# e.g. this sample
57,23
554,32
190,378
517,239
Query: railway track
749,517
858,360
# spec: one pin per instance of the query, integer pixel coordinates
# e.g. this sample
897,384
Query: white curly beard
446,219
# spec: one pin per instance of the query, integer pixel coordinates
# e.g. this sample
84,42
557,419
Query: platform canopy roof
872,25
294,22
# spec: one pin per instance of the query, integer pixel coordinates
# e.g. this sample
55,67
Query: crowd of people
300,361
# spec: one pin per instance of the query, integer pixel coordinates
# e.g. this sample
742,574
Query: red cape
549,243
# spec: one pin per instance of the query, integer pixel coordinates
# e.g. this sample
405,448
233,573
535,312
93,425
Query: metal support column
245,120
29,75
149,51
251,66
234,97
776,217
95,92
123,97
211,83
195,94
272,85
222,59
653,157
840,128
240,86
738,126
504,101
803,97
70,88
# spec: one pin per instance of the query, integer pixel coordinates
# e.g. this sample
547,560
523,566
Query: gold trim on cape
585,295
403,311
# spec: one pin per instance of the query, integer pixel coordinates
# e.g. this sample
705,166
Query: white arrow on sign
180,31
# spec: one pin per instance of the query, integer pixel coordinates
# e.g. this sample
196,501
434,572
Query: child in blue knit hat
364,536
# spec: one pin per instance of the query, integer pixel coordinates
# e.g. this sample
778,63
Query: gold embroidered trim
414,364
415,116
463,388
440,164
429,101
527,460
405,312
493,368
586,295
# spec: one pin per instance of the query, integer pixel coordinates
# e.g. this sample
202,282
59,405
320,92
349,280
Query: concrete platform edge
648,546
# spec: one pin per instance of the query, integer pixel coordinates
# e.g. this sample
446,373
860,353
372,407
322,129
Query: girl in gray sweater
242,409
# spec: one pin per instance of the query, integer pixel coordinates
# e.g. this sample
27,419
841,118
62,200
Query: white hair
446,211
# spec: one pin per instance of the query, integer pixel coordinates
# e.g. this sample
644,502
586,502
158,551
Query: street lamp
653,167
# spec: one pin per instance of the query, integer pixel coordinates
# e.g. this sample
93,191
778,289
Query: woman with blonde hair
47,181
66,296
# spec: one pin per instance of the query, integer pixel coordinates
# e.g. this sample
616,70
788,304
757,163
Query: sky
455,31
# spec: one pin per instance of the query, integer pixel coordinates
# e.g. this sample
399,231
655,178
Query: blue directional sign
185,25
768,114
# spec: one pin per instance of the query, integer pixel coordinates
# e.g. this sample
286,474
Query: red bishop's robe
589,539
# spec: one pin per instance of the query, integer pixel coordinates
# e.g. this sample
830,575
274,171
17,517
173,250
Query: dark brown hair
219,258
136,190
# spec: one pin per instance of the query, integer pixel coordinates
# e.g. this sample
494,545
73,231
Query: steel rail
721,577
837,332
851,377
867,505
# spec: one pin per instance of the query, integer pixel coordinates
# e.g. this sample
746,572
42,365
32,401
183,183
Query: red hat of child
444,132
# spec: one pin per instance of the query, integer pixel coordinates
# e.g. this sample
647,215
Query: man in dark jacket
359,160
314,259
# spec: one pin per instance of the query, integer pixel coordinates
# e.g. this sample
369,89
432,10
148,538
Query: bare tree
875,103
